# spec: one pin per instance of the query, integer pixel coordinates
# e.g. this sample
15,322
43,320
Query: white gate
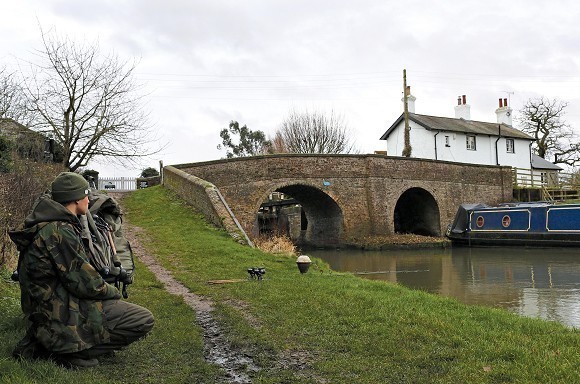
118,184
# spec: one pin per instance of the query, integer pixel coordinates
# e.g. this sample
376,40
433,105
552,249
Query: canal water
534,282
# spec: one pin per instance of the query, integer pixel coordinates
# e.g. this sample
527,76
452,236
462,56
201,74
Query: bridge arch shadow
312,219
417,212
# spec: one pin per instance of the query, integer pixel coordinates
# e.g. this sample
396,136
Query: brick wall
205,198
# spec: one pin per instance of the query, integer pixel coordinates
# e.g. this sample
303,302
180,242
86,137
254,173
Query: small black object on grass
256,273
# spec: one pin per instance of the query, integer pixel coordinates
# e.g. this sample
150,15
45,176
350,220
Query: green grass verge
347,329
172,353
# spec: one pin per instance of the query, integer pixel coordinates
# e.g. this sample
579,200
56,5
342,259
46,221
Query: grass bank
336,327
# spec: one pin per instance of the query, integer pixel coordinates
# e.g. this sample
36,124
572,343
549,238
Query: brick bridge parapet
355,195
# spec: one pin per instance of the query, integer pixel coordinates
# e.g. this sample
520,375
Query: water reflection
535,282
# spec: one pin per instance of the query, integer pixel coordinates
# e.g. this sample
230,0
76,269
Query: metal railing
117,184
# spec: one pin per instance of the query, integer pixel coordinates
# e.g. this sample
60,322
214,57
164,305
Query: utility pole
407,147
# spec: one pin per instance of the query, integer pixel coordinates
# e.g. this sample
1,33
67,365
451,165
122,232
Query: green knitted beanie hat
69,186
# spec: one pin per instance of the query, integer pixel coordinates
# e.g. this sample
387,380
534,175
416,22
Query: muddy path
236,364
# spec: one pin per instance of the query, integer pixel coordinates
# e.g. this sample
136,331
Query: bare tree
543,120
305,132
277,144
88,103
13,102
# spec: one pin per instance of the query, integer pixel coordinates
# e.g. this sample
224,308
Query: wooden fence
553,185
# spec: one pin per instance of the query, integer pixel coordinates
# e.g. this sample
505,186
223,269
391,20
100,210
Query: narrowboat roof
531,204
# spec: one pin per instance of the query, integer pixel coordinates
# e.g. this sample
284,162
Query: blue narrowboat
528,224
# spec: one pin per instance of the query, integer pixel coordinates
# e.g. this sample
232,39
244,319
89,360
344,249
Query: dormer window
470,142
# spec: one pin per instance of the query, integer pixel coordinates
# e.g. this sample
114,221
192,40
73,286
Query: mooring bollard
303,263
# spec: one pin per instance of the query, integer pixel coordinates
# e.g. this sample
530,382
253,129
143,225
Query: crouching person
73,315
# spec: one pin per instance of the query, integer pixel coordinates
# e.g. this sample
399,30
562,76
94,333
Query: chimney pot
462,109
503,112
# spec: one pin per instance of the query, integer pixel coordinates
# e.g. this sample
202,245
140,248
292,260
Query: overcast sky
205,63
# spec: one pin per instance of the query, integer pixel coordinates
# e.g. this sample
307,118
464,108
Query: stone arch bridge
350,197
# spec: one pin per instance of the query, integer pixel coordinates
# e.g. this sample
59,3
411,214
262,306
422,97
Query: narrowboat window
480,221
470,141
509,145
506,221
447,141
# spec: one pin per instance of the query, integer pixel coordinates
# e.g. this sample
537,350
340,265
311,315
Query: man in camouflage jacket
73,314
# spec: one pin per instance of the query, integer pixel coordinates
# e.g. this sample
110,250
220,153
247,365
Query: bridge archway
417,212
319,222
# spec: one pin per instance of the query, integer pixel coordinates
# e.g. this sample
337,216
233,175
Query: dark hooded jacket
61,293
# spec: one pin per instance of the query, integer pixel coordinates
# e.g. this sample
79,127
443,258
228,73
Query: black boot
29,348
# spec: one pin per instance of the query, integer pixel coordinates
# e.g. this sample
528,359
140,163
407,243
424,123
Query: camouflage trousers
126,323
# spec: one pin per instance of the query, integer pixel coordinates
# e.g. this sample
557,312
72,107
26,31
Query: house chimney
504,112
462,109
410,100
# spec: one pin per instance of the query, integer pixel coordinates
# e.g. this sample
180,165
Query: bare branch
88,102
312,133
554,138
13,101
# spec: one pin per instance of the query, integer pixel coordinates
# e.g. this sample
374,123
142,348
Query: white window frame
510,146
471,142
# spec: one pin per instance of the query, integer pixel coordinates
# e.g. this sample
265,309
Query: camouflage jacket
61,293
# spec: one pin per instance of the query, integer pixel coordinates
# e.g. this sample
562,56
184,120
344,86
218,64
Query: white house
461,139
548,171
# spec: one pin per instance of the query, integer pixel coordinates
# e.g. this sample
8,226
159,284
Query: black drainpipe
435,137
